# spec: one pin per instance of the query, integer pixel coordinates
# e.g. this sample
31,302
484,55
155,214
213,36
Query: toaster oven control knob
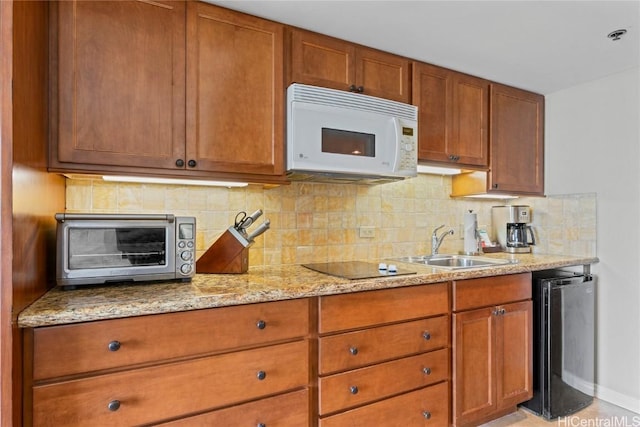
185,268
114,346
181,244
186,255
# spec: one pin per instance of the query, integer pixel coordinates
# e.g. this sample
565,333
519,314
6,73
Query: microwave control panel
185,246
408,148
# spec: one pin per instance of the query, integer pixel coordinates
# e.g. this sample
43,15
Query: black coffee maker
511,225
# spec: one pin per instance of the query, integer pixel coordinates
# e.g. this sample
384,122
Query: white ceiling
542,46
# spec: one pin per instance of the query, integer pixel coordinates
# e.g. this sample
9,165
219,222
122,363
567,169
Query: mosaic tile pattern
313,222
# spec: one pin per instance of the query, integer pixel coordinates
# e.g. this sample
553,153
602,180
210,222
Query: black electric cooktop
355,270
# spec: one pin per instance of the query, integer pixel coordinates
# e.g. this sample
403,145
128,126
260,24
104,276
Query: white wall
593,145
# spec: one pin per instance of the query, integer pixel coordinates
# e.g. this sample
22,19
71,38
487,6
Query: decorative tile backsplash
313,222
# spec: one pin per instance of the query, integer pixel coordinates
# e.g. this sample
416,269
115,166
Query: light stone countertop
259,284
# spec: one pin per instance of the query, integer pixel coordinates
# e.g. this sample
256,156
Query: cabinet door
453,111
470,120
235,92
517,141
382,74
474,391
120,83
431,88
514,353
324,61
321,60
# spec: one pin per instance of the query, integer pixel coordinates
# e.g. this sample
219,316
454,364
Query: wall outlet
368,232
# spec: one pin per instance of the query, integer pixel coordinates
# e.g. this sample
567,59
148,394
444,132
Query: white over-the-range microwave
338,136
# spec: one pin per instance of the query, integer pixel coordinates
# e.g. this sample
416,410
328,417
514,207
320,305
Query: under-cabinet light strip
173,181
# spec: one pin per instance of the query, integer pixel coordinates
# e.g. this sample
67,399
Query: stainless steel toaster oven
115,248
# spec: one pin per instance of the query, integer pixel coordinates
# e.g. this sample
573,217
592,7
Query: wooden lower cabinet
204,365
384,357
427,407
492,350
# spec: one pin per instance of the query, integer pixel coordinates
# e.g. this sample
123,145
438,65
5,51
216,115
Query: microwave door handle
398,137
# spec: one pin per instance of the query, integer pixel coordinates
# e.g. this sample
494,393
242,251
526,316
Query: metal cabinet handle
114,405
352,88
360,89
261,375
180,163
426,371
114,345
426,335
261,324
426,415
502,311
192,163
353,389
353,350
262,425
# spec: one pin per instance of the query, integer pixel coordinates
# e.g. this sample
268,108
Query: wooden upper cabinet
235,91
167,88
453,116
517,141
320,60
120,82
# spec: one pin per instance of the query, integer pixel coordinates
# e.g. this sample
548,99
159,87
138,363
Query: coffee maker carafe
511,228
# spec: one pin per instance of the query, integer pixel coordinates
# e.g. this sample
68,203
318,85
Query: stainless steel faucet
437,241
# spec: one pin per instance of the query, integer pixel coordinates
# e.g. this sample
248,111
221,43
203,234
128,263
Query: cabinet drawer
156,393
287,410
355,349
428,407
475,293
85,347
362,309
353,388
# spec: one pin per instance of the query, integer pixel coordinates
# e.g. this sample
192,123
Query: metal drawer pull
426,371
261,324
502,311
114,346
261,375
426,335
426,415
262,425
353,350
353,389
114,405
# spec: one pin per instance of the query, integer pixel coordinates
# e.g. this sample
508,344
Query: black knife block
228,255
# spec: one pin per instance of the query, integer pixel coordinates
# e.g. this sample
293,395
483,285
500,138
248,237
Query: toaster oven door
95,250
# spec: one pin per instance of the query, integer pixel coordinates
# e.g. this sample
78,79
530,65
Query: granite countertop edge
259,284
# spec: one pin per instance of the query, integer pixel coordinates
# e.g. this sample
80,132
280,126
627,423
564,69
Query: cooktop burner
354,270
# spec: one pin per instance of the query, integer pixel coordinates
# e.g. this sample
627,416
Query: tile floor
598,414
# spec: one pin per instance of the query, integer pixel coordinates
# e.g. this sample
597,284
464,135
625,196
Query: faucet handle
435,231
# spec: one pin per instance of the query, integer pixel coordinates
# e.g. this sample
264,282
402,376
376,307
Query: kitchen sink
456,262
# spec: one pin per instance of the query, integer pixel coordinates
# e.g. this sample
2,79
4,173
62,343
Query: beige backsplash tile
314,222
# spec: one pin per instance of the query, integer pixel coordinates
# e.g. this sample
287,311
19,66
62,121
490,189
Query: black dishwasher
563,343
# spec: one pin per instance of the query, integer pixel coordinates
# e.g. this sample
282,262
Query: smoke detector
617,34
